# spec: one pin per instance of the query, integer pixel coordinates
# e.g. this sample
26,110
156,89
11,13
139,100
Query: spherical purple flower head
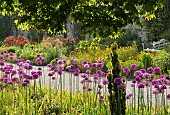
40,69
157,70
13,72
89,89
24,84
141,85
89,80
99,92
94,64
86,66
133,66
105,81
35,75
2,53
42,59
146,75
147,84
39,63
86,78
155,82
6,55
10,82
6,79
99,72
26,65
53,77
82,81
30,77
151,76
15,80
39,73
68,68
163,86
2,63
126,70
88,71
7,72
28,61
100,86
77,70
38,55
60,61
118,81
150,69
166,82
95,76
143,70
59,69
10,66
84,62
72,67
100,65
27,80
76,74
168,96
49,65
138,73
51,73
11,57
30,67
83,75
162,76
132,85
84,87
121,86
161,90
128,96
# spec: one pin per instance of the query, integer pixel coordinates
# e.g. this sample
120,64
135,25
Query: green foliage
162,60
127,53
99,17
146,59
83,45
129,62
1,43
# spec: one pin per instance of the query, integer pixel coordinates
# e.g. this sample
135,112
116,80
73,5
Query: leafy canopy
101,17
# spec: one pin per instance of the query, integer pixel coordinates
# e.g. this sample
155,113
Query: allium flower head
89,89
128,96
157,70
141,85
86,66
49,65
117,81
95,76
76,74
143,71
84,75
138,73
24,84
150,69
126,70
155,82
88,71
105,81
121,86
133,66
168,96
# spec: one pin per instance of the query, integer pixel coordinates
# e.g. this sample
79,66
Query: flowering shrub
19,41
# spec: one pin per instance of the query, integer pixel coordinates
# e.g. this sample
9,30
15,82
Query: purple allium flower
24,84
84,62
35,76
72,67
27,81
143,70
126,70
101,100
28,61
121,86
39,73
101,97
49,65
53,77
76,74
6,79
86,66
95,76
134,81
10,82
105,81
39,68
38,55
152,76
99,72
147,84
94,64
101,65
100,86
56,59
39,63
155,82
150,69
84,75
15,79
32,72
2,63
157,70
64,61
89,89
162,76
141,85
138,73
84,87
88,71
51,73
117,81
82,81
168,96
146,75
99,92
128,96
133,66
30,67
132,85
163,86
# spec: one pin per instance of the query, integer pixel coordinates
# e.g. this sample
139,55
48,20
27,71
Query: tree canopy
101,17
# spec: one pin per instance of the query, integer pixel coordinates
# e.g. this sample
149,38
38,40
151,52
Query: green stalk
26,109
49,89
61,93
150,111
138,99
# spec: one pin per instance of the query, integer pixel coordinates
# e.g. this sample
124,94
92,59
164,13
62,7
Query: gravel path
76,85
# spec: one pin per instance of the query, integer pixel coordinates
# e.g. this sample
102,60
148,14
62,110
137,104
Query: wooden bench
156,46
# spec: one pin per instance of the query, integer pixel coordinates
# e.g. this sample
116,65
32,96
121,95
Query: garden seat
156,46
